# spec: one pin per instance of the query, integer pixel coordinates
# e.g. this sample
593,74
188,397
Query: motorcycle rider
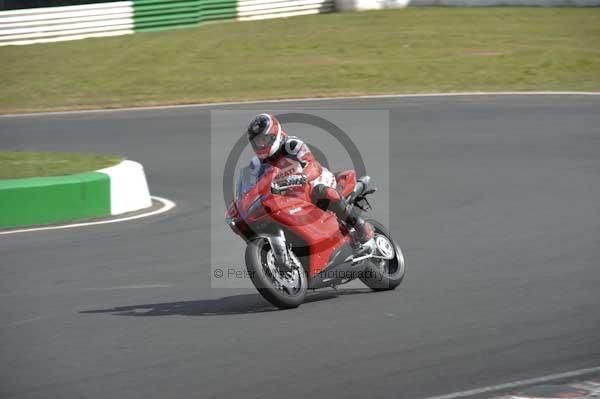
298,166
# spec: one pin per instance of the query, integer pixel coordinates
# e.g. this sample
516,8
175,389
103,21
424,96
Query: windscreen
248,178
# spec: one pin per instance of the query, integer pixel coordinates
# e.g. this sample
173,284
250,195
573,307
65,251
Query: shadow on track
229,305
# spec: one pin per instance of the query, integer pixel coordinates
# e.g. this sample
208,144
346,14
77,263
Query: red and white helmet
265,135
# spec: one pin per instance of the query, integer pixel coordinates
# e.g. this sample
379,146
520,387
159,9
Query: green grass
392,51
17,165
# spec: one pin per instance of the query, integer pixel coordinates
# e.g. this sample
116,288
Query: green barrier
163,14
43,200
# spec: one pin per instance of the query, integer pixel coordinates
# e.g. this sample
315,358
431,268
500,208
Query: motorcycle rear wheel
380,274
258,252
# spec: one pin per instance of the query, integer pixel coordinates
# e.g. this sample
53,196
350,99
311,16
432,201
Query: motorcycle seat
346,181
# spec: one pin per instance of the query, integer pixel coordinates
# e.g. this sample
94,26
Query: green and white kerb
43,200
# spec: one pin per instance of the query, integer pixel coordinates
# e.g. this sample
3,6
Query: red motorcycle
294,245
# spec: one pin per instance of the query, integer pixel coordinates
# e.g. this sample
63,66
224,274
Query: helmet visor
262,141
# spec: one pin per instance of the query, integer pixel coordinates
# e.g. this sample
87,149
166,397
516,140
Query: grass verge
392,51
18,165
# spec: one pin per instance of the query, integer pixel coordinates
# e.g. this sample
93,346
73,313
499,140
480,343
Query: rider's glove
295,180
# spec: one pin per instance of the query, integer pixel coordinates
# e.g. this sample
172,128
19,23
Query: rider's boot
361,235
363,241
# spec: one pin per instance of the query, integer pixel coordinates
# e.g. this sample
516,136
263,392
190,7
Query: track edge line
167,206
305,99
517,384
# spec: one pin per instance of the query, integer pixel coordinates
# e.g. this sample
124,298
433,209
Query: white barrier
266,9
493,3
361,5
52,24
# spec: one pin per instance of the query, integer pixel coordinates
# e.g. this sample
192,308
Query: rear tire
384,275
257,252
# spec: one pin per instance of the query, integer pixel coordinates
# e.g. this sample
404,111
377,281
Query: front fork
280,252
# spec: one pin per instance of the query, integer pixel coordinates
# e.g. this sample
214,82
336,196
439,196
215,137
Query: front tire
380,274
261,273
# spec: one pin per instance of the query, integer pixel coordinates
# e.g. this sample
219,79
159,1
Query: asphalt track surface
496,202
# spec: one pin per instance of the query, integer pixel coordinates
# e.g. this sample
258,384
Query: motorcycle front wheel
384,274
284,290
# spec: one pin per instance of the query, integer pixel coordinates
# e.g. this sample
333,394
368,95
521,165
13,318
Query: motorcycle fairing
320,230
